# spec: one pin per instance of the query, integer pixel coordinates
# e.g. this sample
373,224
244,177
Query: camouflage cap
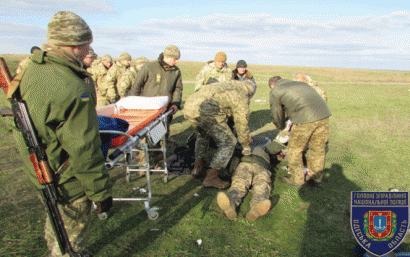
91,53
141,60
124,56
68,29
106,57
220,57
172,51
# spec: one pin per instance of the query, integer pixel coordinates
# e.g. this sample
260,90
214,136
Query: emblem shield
379,220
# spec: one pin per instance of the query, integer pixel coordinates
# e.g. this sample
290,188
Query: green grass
367,151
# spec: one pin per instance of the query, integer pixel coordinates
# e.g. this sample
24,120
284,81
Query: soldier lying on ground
253,170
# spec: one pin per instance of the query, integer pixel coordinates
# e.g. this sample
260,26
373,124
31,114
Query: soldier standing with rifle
62,110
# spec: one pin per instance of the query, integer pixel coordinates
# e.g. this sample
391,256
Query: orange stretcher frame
136,118
140,120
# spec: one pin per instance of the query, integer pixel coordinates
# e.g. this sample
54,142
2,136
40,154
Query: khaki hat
91,53
141,60
106,57
124,56
68,29
220,57
172,51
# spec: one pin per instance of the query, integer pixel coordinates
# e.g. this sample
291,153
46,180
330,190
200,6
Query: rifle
39,161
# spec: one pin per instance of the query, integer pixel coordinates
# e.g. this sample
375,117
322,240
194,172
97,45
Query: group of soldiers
62,104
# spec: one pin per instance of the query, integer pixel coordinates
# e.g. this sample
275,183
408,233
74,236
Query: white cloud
51,6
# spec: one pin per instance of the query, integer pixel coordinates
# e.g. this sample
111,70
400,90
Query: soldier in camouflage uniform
309,114
304,78
253,170
98,73
128,78
89,59
114,75
24,63
62,108
214,71
208,110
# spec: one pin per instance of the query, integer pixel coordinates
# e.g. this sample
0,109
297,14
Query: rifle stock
39,161
5,76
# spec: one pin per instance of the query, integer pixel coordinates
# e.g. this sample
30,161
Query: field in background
369,143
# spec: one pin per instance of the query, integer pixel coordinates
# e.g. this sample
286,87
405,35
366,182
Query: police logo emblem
379,220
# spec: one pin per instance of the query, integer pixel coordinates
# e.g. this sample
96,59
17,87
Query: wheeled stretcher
147,118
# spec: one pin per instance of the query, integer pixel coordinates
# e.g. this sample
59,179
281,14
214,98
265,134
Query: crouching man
208,110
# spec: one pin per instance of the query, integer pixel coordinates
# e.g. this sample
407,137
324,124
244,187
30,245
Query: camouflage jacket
23,64
98,73
211,74
113,77
62,108
159,79
220,101
296,101
126,81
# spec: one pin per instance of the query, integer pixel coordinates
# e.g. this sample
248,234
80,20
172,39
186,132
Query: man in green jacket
309,114
208,111
62,108
161,78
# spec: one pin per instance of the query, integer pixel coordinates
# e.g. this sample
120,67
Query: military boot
198,170
259,210
227,204
212,180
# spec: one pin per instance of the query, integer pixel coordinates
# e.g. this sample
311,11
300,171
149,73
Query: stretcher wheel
153,214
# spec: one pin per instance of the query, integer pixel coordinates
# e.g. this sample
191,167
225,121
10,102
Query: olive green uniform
208,111
62,108
211,74
309,114
159,79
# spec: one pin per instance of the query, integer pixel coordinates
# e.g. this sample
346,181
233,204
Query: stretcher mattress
138,111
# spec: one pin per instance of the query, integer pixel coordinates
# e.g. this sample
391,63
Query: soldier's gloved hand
247,151
103,206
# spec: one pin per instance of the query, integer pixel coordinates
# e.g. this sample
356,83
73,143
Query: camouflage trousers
316,134
224,139
75,217
247,175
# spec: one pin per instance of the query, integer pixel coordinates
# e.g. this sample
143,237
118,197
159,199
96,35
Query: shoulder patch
85,97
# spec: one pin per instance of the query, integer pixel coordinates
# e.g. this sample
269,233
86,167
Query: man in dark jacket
161,78
309,114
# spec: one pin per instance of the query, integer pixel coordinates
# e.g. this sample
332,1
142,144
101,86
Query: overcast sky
344,34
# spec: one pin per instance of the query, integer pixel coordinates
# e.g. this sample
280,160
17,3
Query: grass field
370,139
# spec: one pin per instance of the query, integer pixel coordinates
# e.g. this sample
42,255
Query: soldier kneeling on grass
253,170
